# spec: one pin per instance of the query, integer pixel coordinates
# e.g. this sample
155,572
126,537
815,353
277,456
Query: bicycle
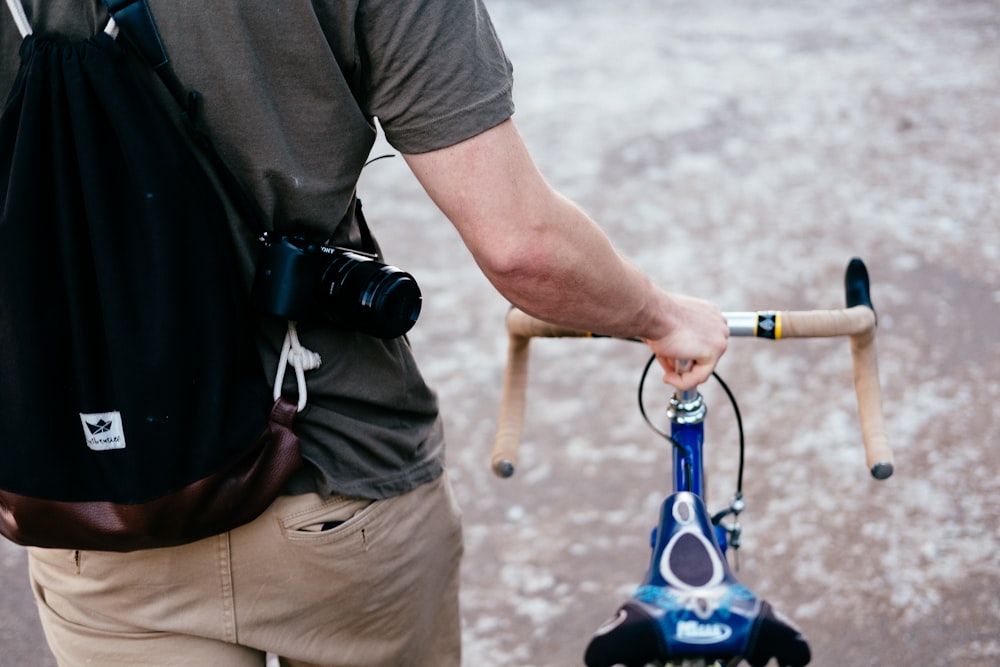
690,610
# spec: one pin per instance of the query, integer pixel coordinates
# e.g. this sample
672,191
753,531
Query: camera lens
375,298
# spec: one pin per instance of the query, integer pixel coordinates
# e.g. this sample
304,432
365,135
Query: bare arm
551,260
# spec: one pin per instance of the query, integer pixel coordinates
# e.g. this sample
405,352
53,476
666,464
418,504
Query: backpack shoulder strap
135,21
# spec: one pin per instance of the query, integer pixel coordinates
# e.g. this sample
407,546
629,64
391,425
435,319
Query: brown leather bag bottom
215,504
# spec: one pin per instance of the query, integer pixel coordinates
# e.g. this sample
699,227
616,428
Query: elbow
527,251
514,262
516,248
522,270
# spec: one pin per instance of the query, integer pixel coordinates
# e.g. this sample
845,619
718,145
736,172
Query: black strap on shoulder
368,243
135,21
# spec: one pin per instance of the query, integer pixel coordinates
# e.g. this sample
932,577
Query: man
357,564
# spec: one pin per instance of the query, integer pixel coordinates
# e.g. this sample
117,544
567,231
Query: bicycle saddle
691,605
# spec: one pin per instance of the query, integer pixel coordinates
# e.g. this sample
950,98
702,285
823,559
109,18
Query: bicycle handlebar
856,321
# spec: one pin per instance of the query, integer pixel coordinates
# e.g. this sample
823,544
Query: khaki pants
379,589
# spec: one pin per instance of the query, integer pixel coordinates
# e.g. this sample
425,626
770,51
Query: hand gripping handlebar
857,321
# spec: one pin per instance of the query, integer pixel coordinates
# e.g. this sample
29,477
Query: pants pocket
315,516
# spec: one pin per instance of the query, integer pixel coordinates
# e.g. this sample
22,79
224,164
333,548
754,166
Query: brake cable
737,505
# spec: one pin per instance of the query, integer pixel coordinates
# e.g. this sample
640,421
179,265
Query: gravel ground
742,151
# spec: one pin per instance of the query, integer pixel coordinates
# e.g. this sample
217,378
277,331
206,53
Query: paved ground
743,151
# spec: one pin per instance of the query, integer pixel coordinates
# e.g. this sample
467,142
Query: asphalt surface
742,151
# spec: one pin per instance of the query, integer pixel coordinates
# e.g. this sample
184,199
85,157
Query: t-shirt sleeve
435,71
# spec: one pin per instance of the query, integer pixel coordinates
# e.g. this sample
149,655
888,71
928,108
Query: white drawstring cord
20,18
24,26
299,358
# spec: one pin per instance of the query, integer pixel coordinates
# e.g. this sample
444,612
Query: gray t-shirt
290,90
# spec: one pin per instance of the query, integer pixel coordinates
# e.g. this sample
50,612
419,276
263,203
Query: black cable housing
678,445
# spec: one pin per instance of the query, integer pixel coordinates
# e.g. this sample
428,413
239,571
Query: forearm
584,284
564,270
541,251
550,259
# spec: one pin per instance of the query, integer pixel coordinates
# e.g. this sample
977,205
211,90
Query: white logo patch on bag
103,430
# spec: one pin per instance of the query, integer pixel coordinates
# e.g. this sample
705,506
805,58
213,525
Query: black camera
301,280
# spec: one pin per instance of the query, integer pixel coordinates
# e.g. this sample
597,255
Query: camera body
298,279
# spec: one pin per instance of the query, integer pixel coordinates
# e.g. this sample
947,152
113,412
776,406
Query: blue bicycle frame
687,417
689,601
689,605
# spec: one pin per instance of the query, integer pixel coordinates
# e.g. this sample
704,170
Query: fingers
690,377
689,354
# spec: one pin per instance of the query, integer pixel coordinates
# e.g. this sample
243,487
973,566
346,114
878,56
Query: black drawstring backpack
134,411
